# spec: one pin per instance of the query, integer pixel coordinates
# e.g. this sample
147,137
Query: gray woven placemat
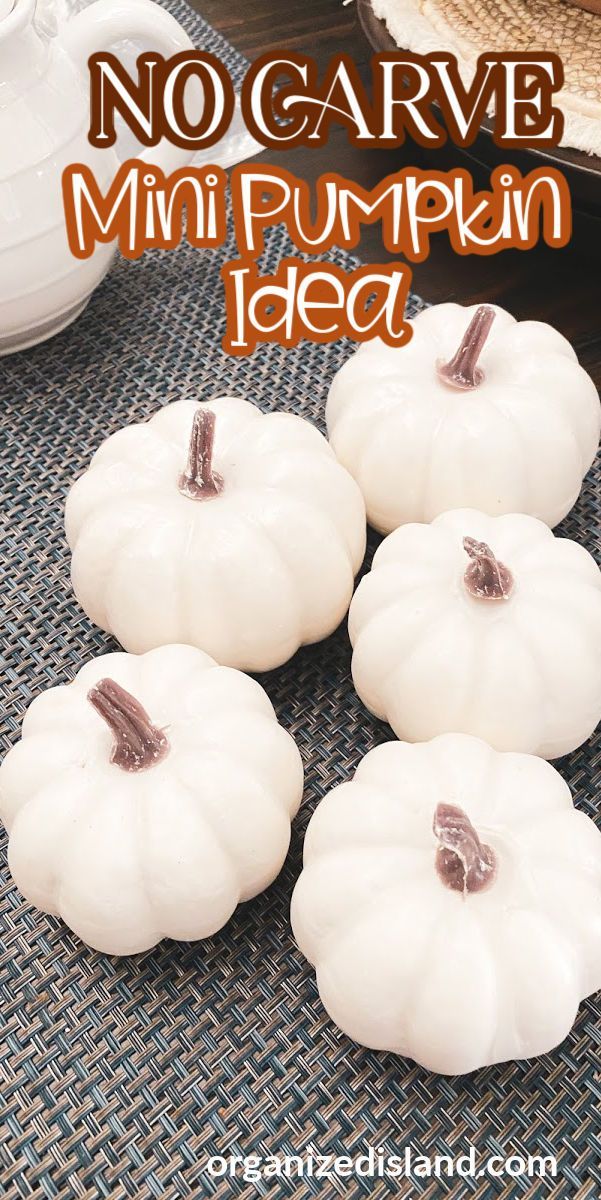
118,1078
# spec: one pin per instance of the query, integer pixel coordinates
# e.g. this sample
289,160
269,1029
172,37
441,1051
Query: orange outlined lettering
319,301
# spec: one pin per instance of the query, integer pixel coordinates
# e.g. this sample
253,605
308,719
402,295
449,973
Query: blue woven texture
120,1077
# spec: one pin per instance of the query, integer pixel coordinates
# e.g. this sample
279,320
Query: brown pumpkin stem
138,744
463,371
199,481
486,578
463,862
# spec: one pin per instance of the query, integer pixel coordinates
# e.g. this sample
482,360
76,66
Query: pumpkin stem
463,371
486,578
138,744
199,481
463,862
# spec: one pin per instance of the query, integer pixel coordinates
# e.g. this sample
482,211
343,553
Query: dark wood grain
560,286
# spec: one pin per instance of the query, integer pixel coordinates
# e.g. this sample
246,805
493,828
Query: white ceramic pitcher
44,120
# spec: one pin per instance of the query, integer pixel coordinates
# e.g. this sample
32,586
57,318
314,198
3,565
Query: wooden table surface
560,286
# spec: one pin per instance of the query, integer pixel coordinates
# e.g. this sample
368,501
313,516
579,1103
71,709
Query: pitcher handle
107,22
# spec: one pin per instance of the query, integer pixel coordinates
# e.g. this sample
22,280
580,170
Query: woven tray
119,1078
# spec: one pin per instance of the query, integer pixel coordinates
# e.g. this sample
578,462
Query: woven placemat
119,1078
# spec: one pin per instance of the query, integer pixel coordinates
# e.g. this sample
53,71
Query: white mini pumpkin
450,902
483,625
149,797
219,526
478,411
